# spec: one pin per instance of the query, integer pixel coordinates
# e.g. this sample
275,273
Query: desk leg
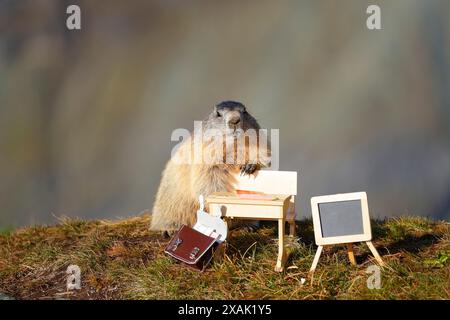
292,228
281,250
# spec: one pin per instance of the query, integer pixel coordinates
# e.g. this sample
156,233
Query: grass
124,260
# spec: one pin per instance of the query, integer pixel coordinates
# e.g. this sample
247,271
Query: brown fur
181,184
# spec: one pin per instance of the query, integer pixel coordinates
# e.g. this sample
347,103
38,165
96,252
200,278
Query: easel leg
375,253
281,250
351,256
316,259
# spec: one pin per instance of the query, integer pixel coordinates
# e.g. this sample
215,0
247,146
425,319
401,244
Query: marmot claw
249,169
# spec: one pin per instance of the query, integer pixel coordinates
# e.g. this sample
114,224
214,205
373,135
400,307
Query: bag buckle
194,253
175,245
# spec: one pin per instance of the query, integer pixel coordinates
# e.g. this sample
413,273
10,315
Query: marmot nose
234,121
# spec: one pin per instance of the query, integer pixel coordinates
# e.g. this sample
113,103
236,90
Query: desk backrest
274,182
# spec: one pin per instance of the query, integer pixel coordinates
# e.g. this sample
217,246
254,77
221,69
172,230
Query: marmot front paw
249,169
168,234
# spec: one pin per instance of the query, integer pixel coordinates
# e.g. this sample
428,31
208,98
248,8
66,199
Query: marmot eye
218,114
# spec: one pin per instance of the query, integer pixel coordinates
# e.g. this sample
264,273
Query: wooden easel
351,256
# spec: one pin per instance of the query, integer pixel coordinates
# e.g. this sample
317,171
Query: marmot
182,183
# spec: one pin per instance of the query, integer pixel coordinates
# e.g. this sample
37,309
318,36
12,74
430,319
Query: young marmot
184,181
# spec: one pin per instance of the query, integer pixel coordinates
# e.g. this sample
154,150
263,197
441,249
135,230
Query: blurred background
86,116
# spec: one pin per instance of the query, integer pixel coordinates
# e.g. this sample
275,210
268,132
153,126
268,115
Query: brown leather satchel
192,247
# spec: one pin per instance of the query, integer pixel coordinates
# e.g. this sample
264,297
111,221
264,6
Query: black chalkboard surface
341,218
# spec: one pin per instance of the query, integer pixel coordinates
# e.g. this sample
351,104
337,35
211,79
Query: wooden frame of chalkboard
342,219
359,220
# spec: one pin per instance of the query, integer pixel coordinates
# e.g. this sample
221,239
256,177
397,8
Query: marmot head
231,116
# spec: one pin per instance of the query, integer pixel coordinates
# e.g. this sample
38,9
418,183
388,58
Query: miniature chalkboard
342,219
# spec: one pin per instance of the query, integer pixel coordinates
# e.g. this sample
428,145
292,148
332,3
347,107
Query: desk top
248,198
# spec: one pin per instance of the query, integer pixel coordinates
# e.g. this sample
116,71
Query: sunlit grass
124,260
